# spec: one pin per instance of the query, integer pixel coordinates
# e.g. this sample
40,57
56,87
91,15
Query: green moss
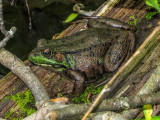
60,95
71,61
83,97
100,60
149,15
133,20
6,98
26,104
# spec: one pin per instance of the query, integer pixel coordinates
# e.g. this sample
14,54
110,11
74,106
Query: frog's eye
59,57
47,52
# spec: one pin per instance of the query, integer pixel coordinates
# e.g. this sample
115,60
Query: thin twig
109,4
29,15
12,2
8,34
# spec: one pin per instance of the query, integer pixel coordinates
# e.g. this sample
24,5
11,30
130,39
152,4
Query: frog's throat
42,61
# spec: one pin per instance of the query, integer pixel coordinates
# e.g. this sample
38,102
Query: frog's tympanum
86,55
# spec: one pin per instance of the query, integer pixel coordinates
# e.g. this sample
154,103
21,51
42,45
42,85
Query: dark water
47,19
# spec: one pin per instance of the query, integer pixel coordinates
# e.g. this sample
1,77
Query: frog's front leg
79,81
109,22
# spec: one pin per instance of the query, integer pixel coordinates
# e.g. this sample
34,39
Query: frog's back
88,62
85,40
87,55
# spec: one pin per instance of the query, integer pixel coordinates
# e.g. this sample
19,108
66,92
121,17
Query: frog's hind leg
117,52
131,48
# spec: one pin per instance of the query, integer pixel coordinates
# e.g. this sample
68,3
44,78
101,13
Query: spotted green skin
89,53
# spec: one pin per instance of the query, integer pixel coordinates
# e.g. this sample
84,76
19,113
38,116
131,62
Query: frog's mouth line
58,66
55,66
42,61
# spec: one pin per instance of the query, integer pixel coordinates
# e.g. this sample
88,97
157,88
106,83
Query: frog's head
43,55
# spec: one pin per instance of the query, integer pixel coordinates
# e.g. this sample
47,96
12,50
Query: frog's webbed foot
79,81
109,22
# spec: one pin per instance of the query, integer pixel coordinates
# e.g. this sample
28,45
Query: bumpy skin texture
87,54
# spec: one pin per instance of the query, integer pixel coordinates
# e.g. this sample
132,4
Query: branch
2,119
107,105
41,113
29,15
106,116
8,34
105,7
18,67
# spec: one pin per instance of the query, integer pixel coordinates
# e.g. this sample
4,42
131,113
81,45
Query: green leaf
71,17
25,101
155,118
147,110
154,4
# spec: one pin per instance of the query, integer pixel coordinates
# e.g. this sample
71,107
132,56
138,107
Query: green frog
85,55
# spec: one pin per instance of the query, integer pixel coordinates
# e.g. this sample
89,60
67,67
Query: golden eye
59,57
47,52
